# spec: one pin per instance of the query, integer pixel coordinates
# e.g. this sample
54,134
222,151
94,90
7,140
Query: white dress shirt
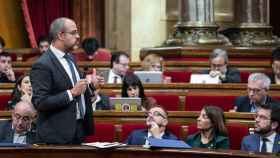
112,76
19,138
269,142
60,56
150,135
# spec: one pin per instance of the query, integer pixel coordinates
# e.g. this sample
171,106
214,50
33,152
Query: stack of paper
105,144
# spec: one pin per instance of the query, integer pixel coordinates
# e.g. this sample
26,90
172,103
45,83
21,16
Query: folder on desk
13,145
167,143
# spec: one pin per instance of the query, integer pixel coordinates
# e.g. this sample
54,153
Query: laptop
204,79
149,76
125,104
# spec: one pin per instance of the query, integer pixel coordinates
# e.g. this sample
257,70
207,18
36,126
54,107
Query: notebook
126,104
204,78
149,76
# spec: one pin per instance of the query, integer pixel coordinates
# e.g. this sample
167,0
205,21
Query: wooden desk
124,152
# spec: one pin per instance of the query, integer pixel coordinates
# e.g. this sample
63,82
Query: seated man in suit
275,76
119,67
266,137
257,87
156,121
7,74
219,67
19,130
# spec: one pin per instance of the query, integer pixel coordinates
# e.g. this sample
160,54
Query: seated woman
212,131
21,92
154,62
132,87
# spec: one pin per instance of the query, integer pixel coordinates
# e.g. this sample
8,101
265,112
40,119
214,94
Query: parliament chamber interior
183,33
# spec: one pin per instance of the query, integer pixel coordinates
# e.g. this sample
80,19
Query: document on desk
104,145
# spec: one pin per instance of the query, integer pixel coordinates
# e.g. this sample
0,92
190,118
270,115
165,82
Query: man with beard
266,137
156,121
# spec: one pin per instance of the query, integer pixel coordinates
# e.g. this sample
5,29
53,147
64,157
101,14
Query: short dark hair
131,79
217,118
116,57
275,110
276,54
90,45
43,39
2,41
5,54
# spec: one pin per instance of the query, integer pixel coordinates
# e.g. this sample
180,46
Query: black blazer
232,75
243,103
56,121
7,133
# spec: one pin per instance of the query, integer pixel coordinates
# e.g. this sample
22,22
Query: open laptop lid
149,76
204,78
125,104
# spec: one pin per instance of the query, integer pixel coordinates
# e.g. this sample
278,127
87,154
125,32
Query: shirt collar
271,138
58,53
150,134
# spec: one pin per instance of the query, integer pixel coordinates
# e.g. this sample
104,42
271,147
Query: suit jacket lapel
257,143
60,68
276,144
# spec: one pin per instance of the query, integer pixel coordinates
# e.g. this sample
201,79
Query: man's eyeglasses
23,118
217,65
255,90
155,113
261,117
75,32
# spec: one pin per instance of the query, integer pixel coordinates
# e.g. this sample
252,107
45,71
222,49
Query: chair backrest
104,132
178,76
127,128
4,98
236,132
196,102
244,76
169,102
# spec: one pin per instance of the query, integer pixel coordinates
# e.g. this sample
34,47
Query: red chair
196,102
244,76
236,132
4,98
178,76
127,128
104,132
167,101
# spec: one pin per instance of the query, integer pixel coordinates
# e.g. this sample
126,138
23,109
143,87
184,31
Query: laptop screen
149,76
125,104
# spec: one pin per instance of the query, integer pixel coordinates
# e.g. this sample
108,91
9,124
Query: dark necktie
70,63
263,149
115,80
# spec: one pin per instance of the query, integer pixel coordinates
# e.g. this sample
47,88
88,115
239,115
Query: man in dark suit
19,130
219,67
119,67
156,121
266,137
60,94
257,87
275,76
7,74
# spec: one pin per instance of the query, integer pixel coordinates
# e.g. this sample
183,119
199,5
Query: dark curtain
89,16
43,12
274,16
